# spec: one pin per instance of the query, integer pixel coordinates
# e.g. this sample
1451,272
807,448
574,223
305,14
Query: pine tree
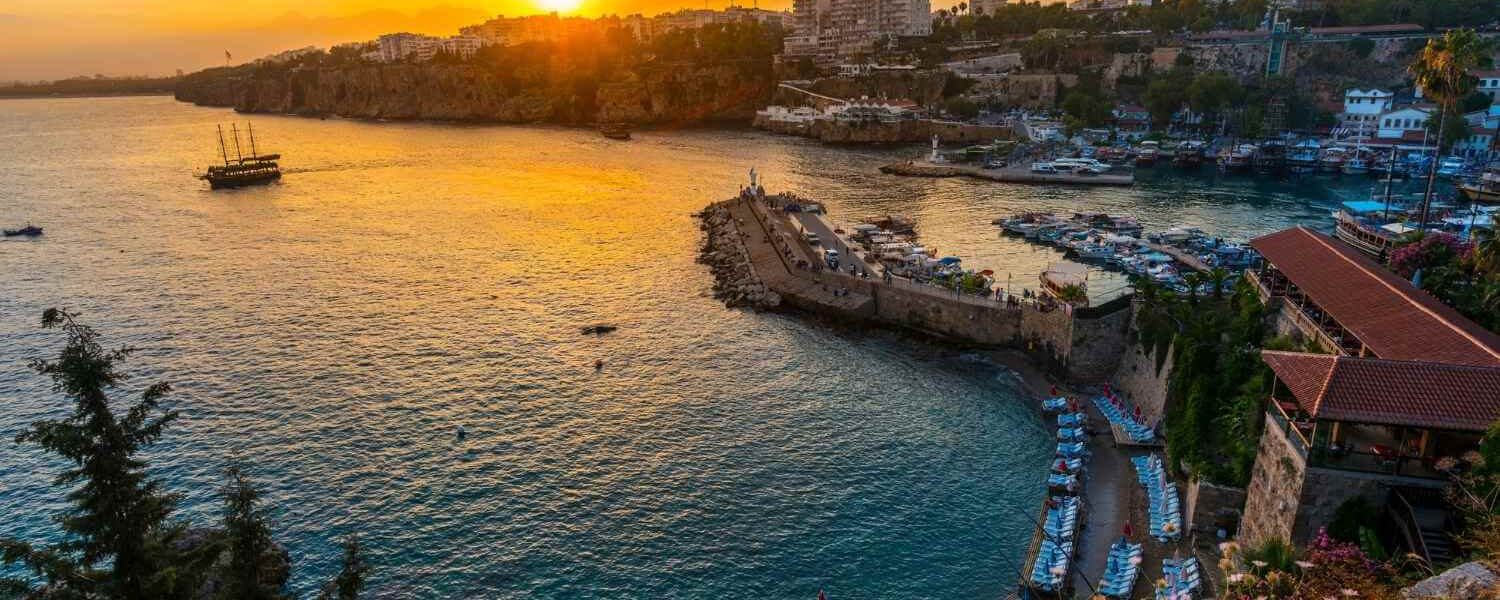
117,538
351,577
248,540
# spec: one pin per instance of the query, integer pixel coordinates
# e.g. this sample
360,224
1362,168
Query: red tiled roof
1390,392
1393,318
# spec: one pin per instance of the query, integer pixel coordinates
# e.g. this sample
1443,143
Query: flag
227,56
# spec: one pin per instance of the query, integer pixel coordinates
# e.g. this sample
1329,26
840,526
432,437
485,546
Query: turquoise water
333,331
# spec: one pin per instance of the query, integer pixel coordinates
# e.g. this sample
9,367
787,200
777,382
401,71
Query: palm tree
1218,276
1443,70
1192,280
1072,294
963,7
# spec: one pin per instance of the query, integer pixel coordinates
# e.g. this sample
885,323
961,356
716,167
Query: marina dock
1004,175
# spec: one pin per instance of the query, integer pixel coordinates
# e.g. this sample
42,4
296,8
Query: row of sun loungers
1181,579
1052,405
1072,419
1161,498
1050,570
1071,434
1120,415
1121,569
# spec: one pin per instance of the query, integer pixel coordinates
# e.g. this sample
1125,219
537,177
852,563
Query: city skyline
49,40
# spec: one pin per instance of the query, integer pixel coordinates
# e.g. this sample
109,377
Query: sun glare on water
561,6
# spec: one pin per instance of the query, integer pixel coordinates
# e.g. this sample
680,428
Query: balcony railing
1346,458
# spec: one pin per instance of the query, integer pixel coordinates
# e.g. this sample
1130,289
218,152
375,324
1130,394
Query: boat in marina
1486,188
1303,157
1451,166
1371,226
1271,159
1147,154
1189,155
1356,165
242,170
1331,161
1238,159
1066,282
28,231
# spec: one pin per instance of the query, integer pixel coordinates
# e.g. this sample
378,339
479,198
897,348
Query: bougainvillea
1328,569
1431,250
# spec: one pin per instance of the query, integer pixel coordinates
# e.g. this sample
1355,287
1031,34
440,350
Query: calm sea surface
332,332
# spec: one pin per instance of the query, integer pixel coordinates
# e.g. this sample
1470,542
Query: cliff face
459,92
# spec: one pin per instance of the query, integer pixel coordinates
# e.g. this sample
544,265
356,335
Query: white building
1363,107
1399,124
1489,83
394,47
850,28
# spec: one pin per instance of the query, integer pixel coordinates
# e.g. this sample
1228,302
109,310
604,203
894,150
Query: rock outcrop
655,94
735,280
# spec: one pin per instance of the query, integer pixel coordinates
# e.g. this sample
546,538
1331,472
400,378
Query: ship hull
1476,194
239,181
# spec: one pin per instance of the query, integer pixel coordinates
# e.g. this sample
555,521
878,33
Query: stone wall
1275,489
1097,343
1205,502
1139,381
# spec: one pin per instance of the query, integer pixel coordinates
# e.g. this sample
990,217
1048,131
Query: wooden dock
1004,175
1181,256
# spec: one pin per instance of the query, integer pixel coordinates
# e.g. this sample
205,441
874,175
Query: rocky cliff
655,94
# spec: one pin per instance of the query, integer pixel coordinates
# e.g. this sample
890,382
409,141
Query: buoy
462,433
599,365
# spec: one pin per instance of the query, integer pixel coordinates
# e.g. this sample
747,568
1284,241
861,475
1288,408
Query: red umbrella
822,596
1054,390
1129,531
986,272
1138,413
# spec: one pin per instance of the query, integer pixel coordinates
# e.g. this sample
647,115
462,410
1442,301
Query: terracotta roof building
1356,307
1390,392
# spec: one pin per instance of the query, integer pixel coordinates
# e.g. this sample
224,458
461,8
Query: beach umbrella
1128,531
822,596
1137,413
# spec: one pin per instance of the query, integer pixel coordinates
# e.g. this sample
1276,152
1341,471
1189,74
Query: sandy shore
1110,491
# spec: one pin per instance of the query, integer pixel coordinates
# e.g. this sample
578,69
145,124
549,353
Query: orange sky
51,39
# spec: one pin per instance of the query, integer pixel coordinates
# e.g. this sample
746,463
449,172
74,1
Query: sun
561,6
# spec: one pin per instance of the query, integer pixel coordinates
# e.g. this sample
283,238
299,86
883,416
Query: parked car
1046,168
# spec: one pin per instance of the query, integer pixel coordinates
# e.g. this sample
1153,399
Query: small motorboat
29,231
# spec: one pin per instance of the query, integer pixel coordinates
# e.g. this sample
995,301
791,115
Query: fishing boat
1332,161
1060,281
1189,155
615,131
1304,157
1271,159
1485,189
1147,153
1370,226
1451,166
242,170
28,231
1239,159
1356,165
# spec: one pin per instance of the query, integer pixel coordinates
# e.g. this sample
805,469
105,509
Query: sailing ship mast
238,154
222,149
254,155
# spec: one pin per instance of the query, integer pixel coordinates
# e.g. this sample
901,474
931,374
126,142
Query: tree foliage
119,540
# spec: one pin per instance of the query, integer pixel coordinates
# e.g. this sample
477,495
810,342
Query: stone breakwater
759,259
735,280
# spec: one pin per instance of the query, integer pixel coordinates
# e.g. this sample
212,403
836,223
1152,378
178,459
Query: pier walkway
1004,175
1181,256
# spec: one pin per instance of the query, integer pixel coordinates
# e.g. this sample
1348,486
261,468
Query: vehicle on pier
255,169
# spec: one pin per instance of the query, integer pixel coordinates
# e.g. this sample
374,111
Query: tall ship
242,170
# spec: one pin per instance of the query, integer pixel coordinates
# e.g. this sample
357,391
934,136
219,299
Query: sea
333,331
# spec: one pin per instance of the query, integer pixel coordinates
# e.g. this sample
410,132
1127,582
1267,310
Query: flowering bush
1432,250
1327,569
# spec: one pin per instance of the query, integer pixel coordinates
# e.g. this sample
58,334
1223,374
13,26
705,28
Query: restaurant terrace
1354,307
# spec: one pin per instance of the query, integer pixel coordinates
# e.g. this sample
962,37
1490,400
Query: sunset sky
51,39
